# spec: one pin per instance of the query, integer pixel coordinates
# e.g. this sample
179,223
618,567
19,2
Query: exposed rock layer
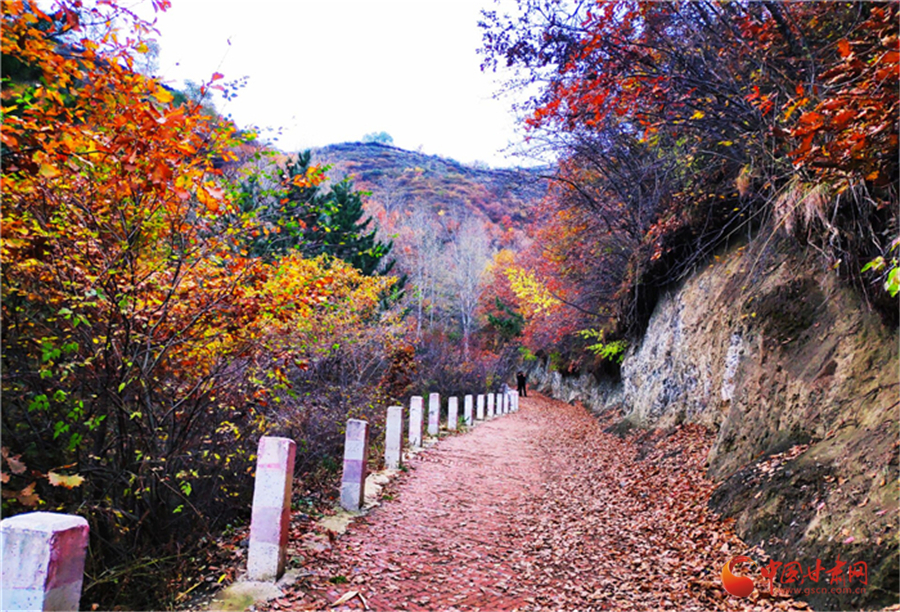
770,349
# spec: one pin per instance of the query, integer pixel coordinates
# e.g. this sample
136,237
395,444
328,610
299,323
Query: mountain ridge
398,178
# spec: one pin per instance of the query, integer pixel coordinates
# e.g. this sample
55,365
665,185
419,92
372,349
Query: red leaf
812,118
843,117
844,47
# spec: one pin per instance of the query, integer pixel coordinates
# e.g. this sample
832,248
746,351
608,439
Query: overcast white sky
329,71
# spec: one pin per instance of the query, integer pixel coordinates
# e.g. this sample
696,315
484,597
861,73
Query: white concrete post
393,437
515,405
356,455
452,413
479,410
490,407
43,561
415,421
499,404
271,515
467,410
434,413
506,403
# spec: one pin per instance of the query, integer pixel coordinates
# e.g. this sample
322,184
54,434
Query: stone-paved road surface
538,509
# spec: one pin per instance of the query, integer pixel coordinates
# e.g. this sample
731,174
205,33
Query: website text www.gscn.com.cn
813,590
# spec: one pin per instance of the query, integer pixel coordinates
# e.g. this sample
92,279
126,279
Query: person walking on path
521,379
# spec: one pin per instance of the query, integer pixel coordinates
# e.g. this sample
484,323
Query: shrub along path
540,509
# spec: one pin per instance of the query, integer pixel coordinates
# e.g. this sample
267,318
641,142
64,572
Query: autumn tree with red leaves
681,123
144,349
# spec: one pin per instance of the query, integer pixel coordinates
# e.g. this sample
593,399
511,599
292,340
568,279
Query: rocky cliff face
767,347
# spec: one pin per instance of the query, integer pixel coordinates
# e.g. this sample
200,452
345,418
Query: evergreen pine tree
315,220
341,230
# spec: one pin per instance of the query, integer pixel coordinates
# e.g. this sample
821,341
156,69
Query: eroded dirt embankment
799,380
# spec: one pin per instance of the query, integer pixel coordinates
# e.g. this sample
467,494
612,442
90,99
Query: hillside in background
401,181
451,226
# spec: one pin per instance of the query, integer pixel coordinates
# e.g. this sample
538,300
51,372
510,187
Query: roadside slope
770,349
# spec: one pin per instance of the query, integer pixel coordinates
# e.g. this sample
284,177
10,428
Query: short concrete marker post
393,437
490,406
479,409
271,515
506,403
515,401
43,561
452,413
356,455
415,422
499,404
434,413
467,410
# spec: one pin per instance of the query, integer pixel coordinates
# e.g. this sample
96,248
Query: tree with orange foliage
124,299
680,123
499,306
143,346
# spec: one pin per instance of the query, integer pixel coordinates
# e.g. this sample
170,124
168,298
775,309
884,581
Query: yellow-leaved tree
142,344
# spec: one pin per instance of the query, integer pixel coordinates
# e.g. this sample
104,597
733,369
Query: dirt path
539,509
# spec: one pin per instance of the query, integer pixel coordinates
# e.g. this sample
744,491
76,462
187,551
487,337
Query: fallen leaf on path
345,598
